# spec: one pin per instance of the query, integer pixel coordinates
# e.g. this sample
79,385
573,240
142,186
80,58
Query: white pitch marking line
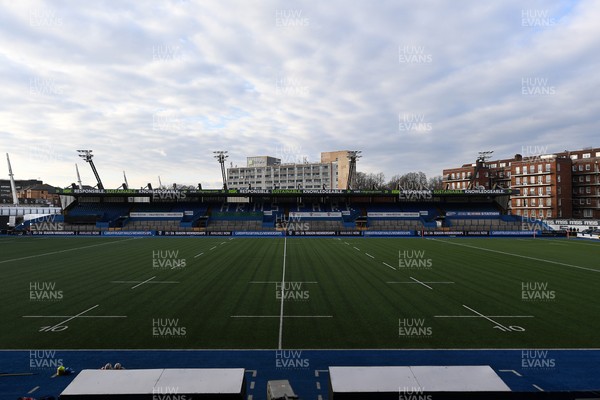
369,255
81,316
212,248
510,370
33,390
538,388
141,283
356,248
223,243
64,251
282,294
279,316
518,255
421,283
347,244
73,317
477,316
265,282
388,265
488,318
198,255
168,282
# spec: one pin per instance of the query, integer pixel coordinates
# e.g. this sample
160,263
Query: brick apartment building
558,185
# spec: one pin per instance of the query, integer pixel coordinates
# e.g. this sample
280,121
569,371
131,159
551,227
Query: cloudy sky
153,87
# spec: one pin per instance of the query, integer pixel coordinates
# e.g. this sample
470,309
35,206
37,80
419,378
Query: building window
588,167
558,178
580,167
540,168
587,155
531,169
548,189
588,190
587,178
549,214
548,178
518,181
517,170
587,213
548,202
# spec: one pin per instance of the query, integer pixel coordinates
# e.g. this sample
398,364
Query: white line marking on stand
510,370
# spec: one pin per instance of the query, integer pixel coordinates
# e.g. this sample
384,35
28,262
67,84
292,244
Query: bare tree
413,181
435,183
370,181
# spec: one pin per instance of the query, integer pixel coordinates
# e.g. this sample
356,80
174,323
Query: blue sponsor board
389,233
128,233
258,233
515,233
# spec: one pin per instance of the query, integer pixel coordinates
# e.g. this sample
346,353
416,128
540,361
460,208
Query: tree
370,181
412,181
435,183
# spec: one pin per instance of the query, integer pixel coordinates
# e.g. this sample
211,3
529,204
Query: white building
268,173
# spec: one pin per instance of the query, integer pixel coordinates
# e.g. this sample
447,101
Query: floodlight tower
125,184
78,177
482,158
13,188
485,155
87,156
353,155
221,156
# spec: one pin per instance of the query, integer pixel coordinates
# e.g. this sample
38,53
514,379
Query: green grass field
354,293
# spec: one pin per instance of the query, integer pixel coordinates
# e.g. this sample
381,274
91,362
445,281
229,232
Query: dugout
190,383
